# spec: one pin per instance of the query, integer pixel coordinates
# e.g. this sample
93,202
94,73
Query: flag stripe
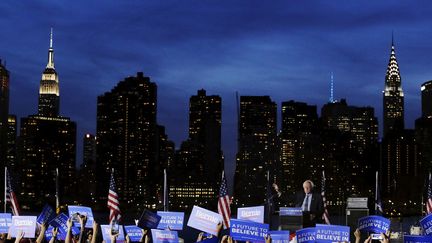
10,195
113,202
326,215
224,203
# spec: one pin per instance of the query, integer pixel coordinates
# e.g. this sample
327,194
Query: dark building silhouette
47,141
87,172
199,160
128,141
4,114
357,131
393,96
257,149
298,135
423,130
11,154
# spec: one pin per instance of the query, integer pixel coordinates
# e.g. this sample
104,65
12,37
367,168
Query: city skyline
254,50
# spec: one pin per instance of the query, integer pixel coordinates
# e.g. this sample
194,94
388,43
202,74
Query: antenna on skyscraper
331,100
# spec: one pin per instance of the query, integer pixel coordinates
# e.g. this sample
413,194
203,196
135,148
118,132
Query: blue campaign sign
306,235
331,233
426,224
60,234
134,232
5,222
60,222
82,211
213,239
204,220
26,224
171,220
287,211
255,214
148,220
417,239
46,215
374,224
164,236
244,230
106,234
281,236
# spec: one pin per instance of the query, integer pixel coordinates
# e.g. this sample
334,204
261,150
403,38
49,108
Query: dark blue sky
285,49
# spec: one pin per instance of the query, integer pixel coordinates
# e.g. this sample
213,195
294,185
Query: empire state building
49,99
393,100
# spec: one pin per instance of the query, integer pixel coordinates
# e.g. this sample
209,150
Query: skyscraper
257,149
47,142
205,118
298,134
49,96
4,113
426,99
423,129
127,140
87,175
393,96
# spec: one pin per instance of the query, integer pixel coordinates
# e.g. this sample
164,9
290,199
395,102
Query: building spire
331,89
51,52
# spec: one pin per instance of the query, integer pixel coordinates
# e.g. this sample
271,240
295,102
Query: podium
291,219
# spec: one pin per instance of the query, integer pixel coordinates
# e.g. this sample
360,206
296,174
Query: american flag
10,195
326,216
429,196
224,203
113,203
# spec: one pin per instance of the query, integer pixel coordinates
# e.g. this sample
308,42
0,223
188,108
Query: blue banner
106,234
306,235
331,233
171,220
82,211
285,211
60,222
374,224
255,214
149,220
26,224
164,236
426,224
244,230
213,239
417,239
204,220
5,222
281,236
46,215
134,232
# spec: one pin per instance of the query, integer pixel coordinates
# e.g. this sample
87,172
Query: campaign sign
164,236
46,215
48,234
374,224
106,233
281,236
286,211
331,233
82,211
134,232
171,220
148,220
60,222
213,239
26,224
306,235
255,214
426,224
417,238
5,222
244,230
204,220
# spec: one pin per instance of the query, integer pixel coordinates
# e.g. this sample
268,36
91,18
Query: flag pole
57,192
376,191
5,189
165,199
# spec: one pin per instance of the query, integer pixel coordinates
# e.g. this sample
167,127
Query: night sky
284,49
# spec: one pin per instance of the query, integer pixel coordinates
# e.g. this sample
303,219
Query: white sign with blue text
255,214
204,220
